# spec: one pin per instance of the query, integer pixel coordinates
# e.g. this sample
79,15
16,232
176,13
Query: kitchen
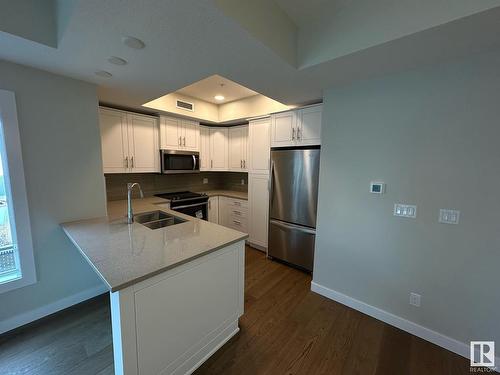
248,187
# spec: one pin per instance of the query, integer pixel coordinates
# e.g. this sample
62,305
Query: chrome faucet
130,212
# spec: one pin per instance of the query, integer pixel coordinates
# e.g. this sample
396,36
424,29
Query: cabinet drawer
237,203
238,224
237,212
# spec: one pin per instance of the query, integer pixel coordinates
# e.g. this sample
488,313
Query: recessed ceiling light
117,60
219,97
132,42
103,73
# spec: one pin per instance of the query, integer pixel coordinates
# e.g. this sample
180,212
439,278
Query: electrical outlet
205,180
449,216
405,210
415,299
243,181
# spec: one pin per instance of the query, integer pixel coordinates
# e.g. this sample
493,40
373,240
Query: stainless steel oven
173,161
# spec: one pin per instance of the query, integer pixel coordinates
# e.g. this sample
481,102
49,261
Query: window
17,268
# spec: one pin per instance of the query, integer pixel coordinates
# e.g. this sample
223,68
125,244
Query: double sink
157,219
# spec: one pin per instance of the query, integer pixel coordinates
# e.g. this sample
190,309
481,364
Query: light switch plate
405,210
449,216
205,180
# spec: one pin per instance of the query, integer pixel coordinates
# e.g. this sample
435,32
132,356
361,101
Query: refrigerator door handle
271,184
287,226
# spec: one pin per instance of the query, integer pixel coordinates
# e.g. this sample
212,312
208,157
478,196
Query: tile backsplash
152,183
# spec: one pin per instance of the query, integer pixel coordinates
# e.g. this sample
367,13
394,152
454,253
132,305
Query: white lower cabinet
213,210
258,209
233,213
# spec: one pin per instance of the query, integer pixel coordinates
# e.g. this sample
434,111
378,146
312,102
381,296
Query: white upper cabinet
190,135
284,128
259,146
301,127
238,150
218,149
204,148
113,125
129,142
179,134
309,127
143,144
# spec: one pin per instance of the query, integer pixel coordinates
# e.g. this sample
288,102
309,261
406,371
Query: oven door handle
189,205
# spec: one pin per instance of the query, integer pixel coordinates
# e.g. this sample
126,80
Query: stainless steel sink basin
157,219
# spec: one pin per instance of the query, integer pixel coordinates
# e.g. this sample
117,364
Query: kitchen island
176,292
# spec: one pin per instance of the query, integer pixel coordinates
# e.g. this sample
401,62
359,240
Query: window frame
15,184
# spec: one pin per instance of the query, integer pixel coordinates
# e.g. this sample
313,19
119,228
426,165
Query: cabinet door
190,135
113,126
309,130
224,215
218,149
259,146
204,148
143,144
244,148
213,210
170,133
284,129
258,209
235,140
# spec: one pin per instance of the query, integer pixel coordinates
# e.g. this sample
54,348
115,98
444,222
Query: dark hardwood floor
286,329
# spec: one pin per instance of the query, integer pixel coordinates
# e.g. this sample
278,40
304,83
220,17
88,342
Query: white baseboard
35,314
427,334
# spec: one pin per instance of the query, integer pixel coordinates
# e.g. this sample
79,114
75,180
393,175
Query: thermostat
377,187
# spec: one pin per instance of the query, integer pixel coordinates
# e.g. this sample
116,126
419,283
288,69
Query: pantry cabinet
301,127
179,134
259,145
129,142
258,209
238,148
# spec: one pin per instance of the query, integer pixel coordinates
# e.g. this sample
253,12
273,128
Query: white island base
172,322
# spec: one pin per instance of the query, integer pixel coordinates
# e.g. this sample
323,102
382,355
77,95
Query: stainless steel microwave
174,161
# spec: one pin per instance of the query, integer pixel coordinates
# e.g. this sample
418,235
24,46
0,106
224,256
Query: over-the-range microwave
174,161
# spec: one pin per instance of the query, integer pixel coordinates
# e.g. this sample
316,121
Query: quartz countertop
227,193
124,254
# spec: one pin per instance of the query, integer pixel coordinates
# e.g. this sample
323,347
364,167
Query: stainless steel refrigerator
292,205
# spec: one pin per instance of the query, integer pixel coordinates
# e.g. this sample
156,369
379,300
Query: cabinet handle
131,162
237,203
241,163
237,222
184,141
180,141
298,134
237,213
244,163
211,163
126,161
293,134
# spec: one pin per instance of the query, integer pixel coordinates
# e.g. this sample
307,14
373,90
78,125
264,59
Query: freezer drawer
292,243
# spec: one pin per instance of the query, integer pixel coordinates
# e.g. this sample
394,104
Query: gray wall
62,164
433,136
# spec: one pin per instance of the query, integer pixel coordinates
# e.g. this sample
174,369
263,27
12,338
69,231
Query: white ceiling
207,88
187,41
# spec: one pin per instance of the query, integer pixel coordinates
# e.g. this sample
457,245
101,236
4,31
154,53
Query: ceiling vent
181,104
